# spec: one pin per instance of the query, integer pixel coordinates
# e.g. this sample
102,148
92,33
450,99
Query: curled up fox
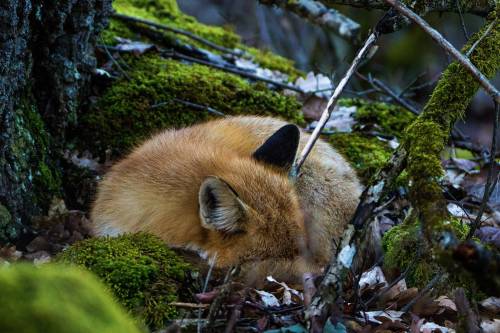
222,188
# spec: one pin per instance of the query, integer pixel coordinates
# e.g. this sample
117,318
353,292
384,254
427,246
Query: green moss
133,109
143,274
117,29
272,61
401,246
57,299
389,118
366,154
167,12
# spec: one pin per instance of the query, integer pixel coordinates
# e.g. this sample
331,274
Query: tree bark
46,60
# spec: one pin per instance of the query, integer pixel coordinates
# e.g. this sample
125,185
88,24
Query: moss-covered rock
143,274
154,98
58,299
167,12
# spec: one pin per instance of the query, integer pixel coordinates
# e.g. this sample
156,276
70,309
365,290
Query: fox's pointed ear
280,148
220,207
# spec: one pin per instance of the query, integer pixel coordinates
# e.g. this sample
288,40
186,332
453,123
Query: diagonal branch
478,7
367,47
319,14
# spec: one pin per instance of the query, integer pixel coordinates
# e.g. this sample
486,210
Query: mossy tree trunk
46,60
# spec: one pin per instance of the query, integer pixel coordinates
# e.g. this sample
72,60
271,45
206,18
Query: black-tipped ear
281,147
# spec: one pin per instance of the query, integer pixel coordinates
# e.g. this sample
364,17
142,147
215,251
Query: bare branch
486,33
319,14
480,7
367,47
464,61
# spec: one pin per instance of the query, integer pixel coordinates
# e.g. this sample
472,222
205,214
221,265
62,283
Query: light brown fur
290,226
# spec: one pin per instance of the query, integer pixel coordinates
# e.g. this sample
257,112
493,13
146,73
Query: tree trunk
46,60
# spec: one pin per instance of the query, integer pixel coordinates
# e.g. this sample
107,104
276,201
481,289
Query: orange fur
155,189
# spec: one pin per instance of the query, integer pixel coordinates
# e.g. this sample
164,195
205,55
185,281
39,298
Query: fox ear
280,148
220,207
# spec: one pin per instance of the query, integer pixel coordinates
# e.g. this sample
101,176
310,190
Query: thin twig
376,83
189,305
205,286
462,21
412,82
188,34
369,43
181,56
110,56
486,33
489,180
450,49
224,292
481,8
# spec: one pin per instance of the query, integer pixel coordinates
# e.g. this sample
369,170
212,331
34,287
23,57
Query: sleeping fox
222,188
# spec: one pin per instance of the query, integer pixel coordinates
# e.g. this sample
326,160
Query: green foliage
366,154
57,299
143,274
131,110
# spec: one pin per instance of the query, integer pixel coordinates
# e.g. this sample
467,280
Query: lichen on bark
46,59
